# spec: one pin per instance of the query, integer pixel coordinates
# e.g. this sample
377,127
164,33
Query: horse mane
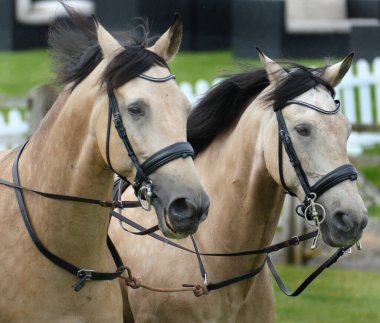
76,52
224,104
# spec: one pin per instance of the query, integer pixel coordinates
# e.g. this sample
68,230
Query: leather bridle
314,213
163,156
327,181
142,184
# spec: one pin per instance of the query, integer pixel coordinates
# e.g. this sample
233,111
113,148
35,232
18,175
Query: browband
157,79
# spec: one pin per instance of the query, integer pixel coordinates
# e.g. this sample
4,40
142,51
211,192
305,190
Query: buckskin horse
255,134
53,228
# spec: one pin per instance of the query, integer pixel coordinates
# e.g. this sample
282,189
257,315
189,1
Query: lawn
337,296
22,70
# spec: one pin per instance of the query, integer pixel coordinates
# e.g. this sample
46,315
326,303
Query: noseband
142,184
311,211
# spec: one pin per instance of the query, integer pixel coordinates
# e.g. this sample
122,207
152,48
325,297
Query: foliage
337,296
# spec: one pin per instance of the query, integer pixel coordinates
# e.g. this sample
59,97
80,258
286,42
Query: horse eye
303,130
135,110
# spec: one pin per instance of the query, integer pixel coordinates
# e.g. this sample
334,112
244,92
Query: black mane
76,53
223,105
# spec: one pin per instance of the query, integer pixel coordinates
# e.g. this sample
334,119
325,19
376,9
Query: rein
200,290
82,273
313,213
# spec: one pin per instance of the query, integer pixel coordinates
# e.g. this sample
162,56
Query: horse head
137,117
311,160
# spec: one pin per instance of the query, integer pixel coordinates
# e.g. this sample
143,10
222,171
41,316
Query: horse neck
63,157
246,201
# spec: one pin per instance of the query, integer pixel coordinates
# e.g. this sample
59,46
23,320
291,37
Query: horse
54,212
241,131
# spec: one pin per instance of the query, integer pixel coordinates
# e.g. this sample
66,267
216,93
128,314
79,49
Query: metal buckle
297,242
146,193
205,279
85,273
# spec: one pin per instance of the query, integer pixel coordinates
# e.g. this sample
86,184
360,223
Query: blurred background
218,36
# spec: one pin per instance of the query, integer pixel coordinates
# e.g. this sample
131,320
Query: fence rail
359,92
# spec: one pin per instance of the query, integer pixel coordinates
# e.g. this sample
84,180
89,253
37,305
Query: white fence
359,93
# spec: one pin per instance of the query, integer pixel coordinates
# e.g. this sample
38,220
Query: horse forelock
75,52
299,80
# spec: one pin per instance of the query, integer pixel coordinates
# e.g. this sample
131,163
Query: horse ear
333,74
109,45
274,71
168,44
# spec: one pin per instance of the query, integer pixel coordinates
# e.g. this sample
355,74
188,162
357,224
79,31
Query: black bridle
142,184
313,212
329,180
163,156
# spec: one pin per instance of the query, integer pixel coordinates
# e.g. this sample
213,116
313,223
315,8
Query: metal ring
145,193
323,215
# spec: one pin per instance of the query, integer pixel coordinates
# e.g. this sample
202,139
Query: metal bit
349,250
315,240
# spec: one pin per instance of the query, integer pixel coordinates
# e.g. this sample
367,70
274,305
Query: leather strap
227,282
338,175
333,259
82,273
60,197
160,158
267,250
289,148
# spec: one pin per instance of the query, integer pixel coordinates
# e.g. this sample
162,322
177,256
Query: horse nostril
182,209
343,221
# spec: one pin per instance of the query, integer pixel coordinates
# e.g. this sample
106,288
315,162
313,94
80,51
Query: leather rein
311,211
143,186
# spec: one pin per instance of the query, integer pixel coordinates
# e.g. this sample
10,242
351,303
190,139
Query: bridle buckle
85,273
146,193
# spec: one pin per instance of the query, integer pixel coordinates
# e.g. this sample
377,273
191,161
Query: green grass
21,71
372,150
337,296
374,210
372,173
189,66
